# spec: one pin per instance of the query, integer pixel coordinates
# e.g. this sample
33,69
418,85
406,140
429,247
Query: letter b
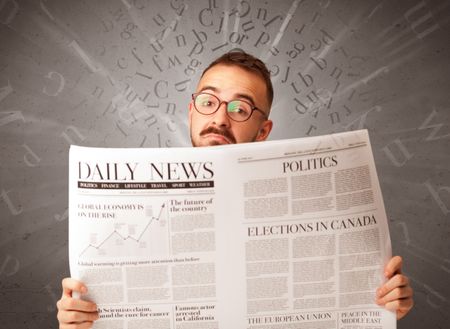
307,79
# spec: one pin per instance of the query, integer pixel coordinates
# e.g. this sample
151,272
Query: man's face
229,82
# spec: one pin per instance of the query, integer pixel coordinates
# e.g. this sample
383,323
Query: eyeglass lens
236,109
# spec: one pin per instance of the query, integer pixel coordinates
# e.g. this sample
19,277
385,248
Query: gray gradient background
120,73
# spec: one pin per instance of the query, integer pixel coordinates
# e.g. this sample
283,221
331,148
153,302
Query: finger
394,266
400,306
398,280
72,304
84,325
69,285
397,293
67,317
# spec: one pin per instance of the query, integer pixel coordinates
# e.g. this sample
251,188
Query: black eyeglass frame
253,108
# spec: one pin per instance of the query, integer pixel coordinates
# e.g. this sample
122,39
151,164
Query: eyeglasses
237,110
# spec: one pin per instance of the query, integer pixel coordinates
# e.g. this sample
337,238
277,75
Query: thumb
70,285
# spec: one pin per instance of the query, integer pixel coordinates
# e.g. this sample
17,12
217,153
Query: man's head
237,77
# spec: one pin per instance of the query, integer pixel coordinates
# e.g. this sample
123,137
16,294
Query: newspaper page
280,234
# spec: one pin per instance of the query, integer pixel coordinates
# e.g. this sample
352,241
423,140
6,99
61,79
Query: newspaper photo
269,235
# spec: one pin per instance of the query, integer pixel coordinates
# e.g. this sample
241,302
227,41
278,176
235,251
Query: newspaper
279,234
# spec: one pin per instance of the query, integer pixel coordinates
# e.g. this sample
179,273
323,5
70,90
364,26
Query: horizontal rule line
314,152
145,185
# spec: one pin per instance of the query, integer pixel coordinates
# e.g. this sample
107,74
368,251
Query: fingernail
83,289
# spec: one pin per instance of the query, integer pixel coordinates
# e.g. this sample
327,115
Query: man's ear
264,130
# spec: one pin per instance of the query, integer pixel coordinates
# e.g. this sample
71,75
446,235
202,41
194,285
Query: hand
75,313
396,294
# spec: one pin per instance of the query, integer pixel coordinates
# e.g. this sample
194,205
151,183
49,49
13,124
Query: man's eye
237,108
206,103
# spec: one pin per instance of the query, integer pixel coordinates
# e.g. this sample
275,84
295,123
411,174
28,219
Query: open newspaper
280,234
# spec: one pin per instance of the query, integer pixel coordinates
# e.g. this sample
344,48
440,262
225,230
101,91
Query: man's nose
221,117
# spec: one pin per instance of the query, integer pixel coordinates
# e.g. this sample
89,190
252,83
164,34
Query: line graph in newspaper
113,232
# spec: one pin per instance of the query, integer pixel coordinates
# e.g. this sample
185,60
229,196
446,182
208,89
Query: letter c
157,90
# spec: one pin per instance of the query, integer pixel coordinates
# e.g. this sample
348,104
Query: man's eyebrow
247,97
209,88
236,96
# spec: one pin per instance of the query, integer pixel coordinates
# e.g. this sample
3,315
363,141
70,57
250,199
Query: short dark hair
247,62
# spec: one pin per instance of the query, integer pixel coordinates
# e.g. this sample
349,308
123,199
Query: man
232,105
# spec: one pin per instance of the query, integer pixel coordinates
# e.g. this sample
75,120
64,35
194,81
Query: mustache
224,132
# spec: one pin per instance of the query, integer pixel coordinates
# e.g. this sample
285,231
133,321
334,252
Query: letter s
211,172
334,160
